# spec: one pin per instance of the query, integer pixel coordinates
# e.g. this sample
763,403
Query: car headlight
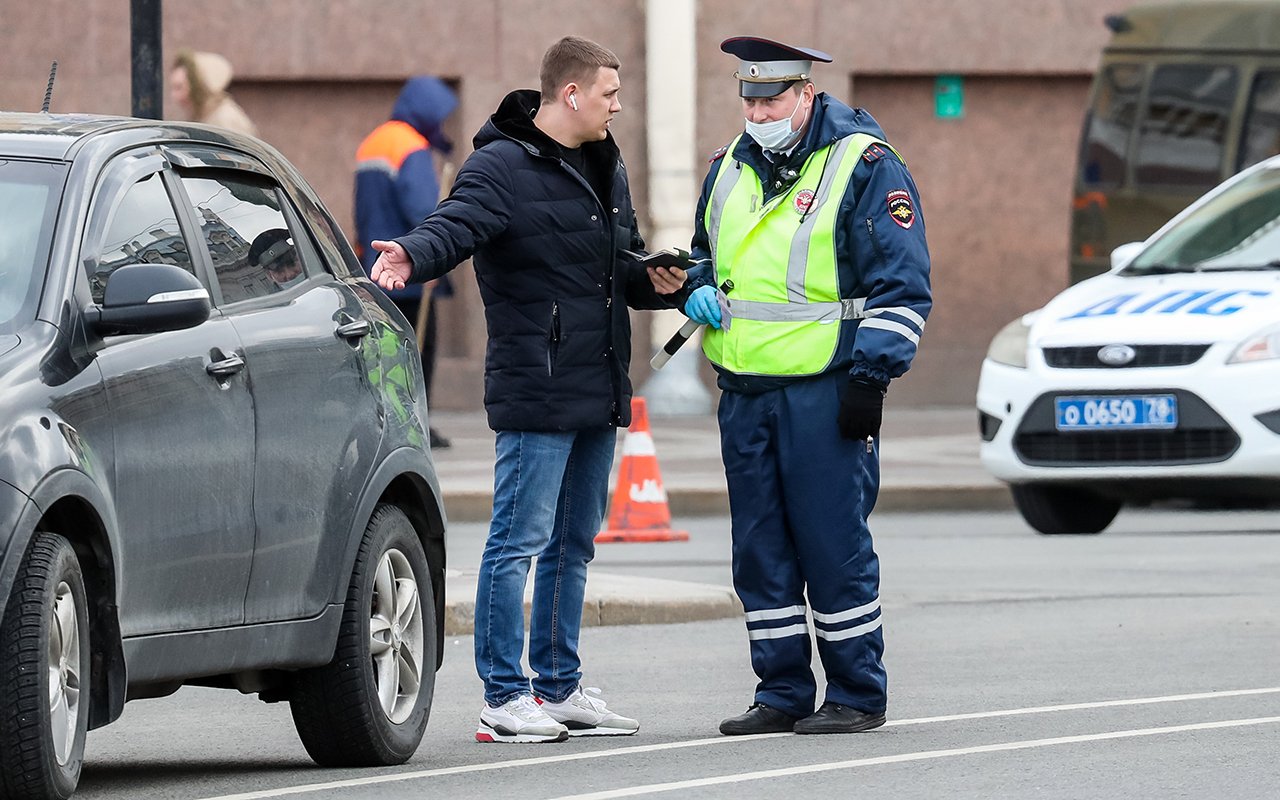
1259,347
1010,345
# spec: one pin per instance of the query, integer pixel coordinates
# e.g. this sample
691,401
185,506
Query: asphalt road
1141,663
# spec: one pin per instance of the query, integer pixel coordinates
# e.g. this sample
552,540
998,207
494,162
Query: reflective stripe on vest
784,323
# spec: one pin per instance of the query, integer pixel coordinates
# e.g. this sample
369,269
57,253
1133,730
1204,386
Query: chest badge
900,209
804,199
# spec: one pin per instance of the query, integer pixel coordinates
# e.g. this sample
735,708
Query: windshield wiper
1270,265
1154,269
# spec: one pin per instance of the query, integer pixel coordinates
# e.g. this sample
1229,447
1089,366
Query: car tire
1064,509
44,674
369,705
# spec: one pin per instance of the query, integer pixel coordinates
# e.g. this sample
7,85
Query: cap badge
754,70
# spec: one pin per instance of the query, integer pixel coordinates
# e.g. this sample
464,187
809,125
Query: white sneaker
520,719
585,714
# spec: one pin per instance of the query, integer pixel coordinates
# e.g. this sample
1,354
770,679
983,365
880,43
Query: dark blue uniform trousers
799,495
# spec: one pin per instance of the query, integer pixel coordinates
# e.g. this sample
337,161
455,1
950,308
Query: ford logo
1116,355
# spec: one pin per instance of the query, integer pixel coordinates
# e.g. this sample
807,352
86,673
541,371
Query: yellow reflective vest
781,257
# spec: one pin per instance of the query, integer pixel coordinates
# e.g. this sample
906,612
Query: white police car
1158,380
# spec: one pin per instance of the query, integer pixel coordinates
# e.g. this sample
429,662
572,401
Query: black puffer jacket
554,283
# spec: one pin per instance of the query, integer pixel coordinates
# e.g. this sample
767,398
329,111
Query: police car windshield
1237,230
29,193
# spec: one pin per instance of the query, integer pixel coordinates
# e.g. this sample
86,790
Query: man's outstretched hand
393,267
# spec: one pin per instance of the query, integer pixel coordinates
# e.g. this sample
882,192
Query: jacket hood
425,103
514,120
212,70
835,120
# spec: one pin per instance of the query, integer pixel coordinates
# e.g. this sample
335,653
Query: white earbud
573,101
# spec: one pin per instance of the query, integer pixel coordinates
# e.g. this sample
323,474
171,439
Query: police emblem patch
900,208
804,199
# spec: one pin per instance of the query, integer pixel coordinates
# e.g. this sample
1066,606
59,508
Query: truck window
1262,121
1115,109
1183,134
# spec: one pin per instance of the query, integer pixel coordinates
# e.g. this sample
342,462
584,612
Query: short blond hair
573,60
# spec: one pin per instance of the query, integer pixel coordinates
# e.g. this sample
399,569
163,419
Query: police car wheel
369,705
44,647
1053,509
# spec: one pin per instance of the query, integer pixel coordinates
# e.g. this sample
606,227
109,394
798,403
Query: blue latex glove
703,306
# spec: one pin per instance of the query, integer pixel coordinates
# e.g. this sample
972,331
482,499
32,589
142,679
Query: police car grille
1126,447
1145,355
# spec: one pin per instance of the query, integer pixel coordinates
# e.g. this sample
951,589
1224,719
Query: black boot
835,718
758,719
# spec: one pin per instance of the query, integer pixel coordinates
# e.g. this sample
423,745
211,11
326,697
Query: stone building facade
316,75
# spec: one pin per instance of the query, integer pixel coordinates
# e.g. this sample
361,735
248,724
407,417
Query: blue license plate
1126,412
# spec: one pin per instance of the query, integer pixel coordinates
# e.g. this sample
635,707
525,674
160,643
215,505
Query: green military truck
1187,94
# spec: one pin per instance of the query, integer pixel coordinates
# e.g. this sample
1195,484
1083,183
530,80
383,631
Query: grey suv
213,451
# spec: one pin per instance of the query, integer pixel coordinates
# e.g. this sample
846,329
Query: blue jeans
549,496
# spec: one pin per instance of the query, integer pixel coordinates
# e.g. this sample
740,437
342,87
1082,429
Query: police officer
816,221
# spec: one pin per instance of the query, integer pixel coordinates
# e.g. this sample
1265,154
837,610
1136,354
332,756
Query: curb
470,506
610,600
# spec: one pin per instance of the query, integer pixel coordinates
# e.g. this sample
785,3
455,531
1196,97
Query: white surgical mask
776,135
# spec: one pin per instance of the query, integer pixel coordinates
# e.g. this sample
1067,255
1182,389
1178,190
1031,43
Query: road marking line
1137,701
924,755
718,740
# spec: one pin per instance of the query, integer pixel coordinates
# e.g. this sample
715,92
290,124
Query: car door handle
226,367
355,329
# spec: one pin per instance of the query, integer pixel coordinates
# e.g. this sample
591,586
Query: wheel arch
70,504
406,479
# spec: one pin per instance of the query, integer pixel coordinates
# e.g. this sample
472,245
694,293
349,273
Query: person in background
198,83
396,188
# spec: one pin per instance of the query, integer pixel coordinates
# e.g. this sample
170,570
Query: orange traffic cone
639,512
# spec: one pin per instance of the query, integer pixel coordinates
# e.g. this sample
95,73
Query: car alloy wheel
395,636
43,699
369,705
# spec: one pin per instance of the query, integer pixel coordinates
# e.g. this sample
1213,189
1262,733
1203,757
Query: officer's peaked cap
766,67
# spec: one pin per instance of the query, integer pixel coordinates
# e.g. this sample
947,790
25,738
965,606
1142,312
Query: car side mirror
1122,255
149,298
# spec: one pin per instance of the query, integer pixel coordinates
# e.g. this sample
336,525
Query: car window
251,247
1115,110
1184,130
28,205
330,239
1238,229
1262,120
143,229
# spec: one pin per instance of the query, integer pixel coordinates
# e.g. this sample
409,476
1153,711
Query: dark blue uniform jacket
554,282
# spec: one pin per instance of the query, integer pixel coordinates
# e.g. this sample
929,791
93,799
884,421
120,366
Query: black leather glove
861,407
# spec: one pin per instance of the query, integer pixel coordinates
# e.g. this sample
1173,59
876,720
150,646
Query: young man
544,206
816,221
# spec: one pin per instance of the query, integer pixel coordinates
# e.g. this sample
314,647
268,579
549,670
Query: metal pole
148,65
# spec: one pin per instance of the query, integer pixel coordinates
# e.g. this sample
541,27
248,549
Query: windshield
1237,230
29,193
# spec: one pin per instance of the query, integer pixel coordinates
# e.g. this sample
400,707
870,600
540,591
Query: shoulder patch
900,209
717,155
874,153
